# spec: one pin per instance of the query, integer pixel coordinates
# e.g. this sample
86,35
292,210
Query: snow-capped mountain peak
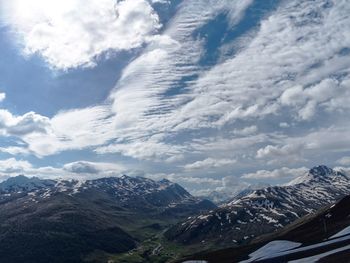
123,183
271,208
22,183
321,170
123,190
317,174
90,212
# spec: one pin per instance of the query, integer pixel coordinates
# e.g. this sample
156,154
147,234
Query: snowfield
283,248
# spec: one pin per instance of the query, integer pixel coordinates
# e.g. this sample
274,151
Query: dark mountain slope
65,220
314,232
59,229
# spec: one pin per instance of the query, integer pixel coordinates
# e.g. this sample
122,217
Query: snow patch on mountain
273,207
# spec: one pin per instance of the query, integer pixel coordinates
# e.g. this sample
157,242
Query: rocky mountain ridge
68,220
263,211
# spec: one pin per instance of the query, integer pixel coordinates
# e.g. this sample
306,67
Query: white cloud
275,60
225,144
326,140
161,1
246,131
344,160
309,144
308,111
201,185
209,163
284,125
74,129
200,181
233,184
282,173
15,150
293,96
307,100
344,170
12,165
28,123
254,85
145,149
79,169
2,96
167,107
289,151
73,33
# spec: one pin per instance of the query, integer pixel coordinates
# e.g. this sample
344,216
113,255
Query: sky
211,94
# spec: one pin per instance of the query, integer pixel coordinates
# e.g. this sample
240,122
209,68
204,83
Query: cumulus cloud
271,151
2,96
75,129
11,125
12,165
307,100
73,33
68,130
293,96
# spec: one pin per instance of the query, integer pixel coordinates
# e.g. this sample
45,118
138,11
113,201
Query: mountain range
68,220
135,219
320,237
262,211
